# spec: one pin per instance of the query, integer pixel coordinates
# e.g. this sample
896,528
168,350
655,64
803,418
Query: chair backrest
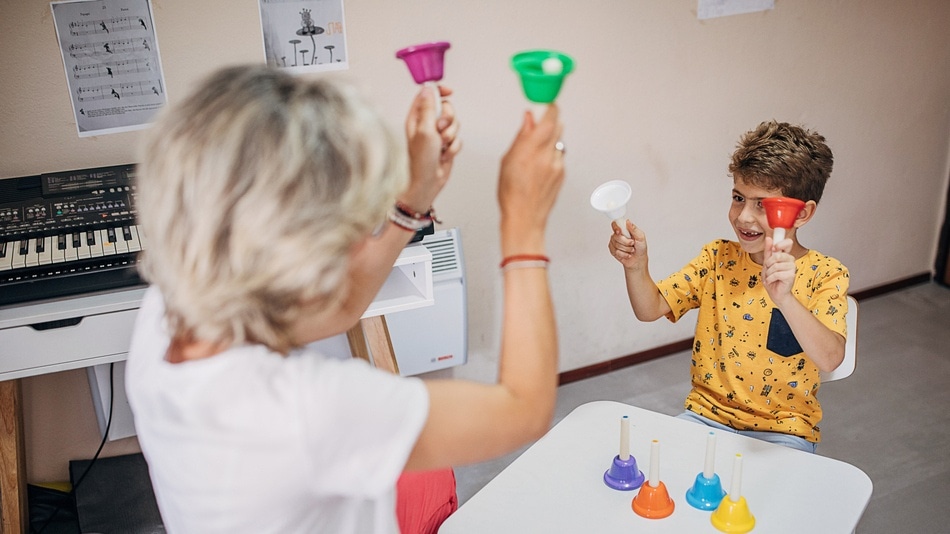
850,348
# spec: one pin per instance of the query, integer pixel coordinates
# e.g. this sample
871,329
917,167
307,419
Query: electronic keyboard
68,233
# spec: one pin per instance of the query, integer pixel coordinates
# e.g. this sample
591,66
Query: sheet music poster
113,69
304,35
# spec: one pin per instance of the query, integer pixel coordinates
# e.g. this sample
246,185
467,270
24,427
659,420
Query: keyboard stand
14,518
370,341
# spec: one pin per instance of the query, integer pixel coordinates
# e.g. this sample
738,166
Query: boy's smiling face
748,219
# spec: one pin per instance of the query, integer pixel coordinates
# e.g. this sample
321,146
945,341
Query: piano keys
68,233
68,247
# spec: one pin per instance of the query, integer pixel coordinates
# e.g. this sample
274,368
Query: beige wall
658,98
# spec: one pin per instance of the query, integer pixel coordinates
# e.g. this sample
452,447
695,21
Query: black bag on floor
115,496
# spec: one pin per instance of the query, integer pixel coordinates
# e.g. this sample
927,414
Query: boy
771,315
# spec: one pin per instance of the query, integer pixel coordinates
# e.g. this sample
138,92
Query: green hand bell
542,73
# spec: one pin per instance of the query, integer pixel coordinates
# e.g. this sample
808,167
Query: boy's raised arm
631,252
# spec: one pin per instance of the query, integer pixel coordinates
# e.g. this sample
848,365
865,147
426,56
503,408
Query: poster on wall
113,70
708,9
304,35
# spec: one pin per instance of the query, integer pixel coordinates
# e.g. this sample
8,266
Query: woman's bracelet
412,214
410,224
524,261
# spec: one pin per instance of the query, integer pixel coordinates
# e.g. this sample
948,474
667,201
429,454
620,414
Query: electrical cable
105,437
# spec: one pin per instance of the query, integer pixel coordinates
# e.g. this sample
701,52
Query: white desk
557,485
97,328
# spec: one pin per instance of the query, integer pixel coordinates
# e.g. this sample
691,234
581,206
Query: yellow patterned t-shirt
748,370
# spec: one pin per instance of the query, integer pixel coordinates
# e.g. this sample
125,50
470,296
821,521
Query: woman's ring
559,146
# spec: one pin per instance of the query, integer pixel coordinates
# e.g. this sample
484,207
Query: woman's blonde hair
251,194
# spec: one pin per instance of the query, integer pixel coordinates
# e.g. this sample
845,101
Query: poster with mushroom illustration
304,35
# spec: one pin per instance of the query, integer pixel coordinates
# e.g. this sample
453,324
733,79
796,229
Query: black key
40,245
127,233
3,249
24,247
77,240
61,241
110,233
90,238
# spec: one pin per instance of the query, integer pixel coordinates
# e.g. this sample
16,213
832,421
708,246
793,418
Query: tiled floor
891,418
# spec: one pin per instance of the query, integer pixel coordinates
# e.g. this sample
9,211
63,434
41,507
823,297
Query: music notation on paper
110,25
119,91
112,64
111,69
109,48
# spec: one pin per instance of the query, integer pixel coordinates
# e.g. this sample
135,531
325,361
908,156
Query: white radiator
435,337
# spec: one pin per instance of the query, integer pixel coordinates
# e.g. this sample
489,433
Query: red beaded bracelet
524,257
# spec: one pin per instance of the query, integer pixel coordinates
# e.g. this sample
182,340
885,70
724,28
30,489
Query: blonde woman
275,207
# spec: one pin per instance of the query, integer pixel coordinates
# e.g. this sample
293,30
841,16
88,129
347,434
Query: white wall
658,98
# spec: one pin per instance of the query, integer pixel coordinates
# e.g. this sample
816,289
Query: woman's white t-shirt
251,441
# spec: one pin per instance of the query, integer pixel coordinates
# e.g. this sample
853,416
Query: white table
557,485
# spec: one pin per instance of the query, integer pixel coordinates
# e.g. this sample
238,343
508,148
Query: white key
108,247
71,253
31,259
19,257
80,246
46,257
6,255
59,254
142,239
95,244
19,260
134,245
121,245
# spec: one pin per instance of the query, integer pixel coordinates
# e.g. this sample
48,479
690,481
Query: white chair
850,348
